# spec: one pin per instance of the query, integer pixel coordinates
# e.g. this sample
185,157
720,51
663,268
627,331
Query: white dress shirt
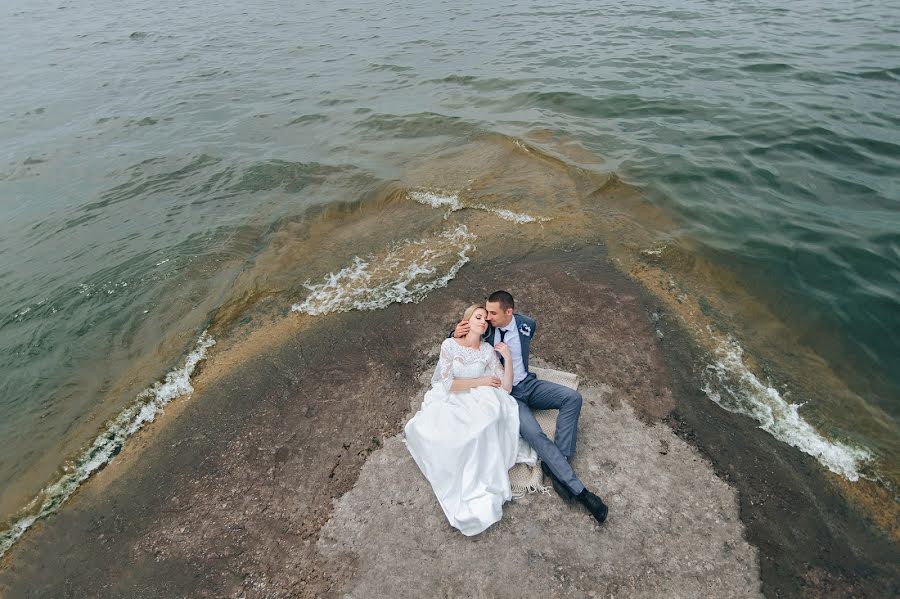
515,347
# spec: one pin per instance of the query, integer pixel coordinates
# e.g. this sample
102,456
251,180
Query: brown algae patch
875,502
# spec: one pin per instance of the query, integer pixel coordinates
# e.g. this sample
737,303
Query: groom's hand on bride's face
462,329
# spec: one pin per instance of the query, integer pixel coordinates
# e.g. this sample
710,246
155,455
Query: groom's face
496,315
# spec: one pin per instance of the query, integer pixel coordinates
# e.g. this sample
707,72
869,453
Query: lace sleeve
443,372
494,367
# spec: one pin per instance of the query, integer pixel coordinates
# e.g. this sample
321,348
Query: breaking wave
729,383
437,200
452,203
405,274
109,443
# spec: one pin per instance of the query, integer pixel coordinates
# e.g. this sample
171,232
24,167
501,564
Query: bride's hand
489,381
503,349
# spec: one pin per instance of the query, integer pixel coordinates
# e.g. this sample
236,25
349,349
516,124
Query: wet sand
231,497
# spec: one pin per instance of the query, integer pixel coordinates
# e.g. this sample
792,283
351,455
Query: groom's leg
547,449
544,395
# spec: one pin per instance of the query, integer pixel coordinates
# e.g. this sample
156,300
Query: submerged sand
284,476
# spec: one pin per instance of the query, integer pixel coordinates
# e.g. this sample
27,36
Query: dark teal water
149,150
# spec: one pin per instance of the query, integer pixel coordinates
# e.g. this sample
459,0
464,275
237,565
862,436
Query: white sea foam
452,202
109,443
732,385
509,215
657,251
437,199
404,274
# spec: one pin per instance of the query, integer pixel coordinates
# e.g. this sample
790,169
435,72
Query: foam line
729,383
109,443
437,200
405,274
452,203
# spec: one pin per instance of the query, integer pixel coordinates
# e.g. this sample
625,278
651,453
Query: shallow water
171,167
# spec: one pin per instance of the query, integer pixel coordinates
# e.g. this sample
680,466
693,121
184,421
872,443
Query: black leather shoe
561,489
594,505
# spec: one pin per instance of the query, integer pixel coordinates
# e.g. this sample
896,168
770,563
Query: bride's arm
507,375
482,381
507,369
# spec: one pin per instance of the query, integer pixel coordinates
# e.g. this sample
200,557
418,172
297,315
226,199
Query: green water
150,151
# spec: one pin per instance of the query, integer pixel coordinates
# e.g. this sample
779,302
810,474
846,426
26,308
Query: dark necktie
502,335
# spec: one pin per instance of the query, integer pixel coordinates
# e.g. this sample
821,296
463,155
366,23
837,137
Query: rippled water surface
152,152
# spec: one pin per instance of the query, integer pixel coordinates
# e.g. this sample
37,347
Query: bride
466,435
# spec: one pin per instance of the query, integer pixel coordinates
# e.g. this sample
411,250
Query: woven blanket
522,477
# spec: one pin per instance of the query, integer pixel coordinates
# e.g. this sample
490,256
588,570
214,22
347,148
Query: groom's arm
461,330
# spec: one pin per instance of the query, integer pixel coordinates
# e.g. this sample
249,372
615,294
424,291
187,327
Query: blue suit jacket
525,327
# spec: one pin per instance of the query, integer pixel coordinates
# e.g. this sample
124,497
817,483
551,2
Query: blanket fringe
520,491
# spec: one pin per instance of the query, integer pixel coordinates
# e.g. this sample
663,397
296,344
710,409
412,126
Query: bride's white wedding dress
465,443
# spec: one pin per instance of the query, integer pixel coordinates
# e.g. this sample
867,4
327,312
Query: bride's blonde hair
471,310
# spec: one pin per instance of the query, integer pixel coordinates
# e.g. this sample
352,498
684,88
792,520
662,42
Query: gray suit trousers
533,394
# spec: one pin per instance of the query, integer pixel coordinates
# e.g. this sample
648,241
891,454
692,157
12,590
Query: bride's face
478,321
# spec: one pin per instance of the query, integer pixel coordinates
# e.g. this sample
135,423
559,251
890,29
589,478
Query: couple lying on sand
466,436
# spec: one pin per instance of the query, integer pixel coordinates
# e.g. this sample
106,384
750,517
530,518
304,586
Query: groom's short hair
503,298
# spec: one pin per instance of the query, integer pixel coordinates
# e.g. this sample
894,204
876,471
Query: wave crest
405,274
452,203
109,443
730,383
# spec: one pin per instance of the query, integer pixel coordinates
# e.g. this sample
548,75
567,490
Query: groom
516,331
